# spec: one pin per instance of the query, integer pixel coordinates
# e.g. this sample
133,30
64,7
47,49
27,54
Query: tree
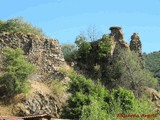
83,49
15,72
18,25
104,47
127,72
69,52
92,33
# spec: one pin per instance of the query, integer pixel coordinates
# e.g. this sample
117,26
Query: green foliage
143,106
92,100
18,25
69,51
124,97
86,49
104,47
15,71
83,92
80,84
94,111
83,48
80,89
121,101
127,72
91,56
152,63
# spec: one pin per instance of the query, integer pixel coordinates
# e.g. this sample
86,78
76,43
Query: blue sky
65,19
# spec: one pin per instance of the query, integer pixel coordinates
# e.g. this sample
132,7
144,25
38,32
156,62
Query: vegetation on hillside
17,25
128,73
91,56
124,70
15,70
152,63
118,89
92,101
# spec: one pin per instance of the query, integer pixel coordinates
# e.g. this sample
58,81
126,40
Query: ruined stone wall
117,37
45,53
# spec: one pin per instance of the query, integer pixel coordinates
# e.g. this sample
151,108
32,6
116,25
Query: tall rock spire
135,43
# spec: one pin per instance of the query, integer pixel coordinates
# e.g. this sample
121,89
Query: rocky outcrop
135,45
117,37
40,103
45,53
41,99
154,96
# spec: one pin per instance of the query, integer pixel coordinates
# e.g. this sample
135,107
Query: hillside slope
47,57
152,63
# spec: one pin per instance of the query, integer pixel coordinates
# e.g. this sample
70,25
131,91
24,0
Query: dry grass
40,87
58,87
65,69
5,109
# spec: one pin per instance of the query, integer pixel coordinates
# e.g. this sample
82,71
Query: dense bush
121,101
124,97
104,47
84,49
81,89
18,25
92,100
94,111
15,72
91,56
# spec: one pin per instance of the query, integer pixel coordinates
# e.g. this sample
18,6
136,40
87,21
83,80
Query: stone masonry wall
45,53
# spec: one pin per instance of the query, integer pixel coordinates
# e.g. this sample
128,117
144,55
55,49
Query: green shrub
18,25
80,84
104,47
125,97
121,102
94,111
143,106
91,100
83,48
15,72
81,88
83,92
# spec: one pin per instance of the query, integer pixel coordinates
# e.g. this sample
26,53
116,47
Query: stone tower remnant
117,41
135,44
117,36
